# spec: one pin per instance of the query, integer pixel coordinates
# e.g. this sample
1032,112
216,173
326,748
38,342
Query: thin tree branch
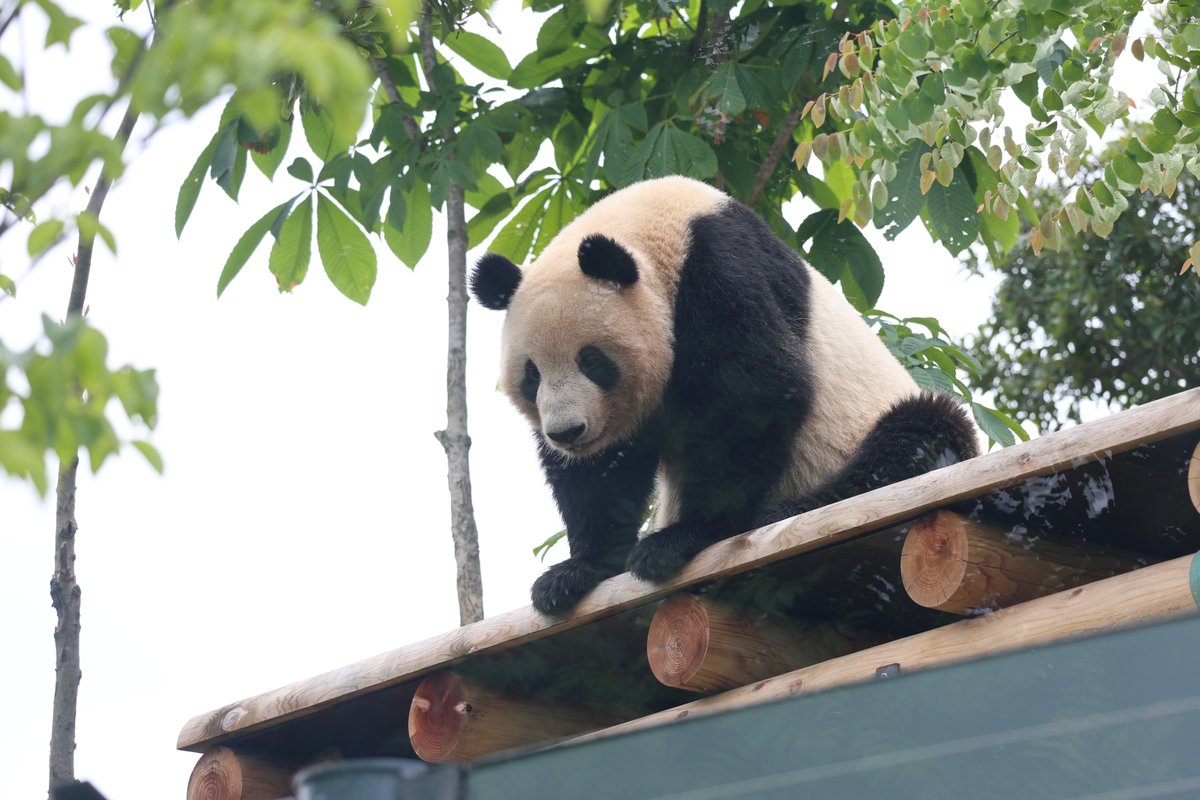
16,12
454,439
393,94
775,154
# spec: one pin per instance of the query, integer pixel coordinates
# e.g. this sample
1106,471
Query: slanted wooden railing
515,678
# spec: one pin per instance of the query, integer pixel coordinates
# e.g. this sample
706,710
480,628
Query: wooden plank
1151,594
1194,478
818,528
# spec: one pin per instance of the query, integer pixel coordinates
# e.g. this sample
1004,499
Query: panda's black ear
495,281
602,258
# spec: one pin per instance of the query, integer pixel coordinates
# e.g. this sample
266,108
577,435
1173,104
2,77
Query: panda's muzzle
567,435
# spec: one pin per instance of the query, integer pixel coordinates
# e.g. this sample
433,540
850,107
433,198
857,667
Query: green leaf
1165,122
951,214
670,151
1127,169
515,240
293,249
543,548
189,190
151,453
481,53
61,26
931,379
346,252
10,288
840,252
249,242
318,131
8,75
905,200
724,86
410,243
269,161
301,170
533,70
21,458
44,236
998,427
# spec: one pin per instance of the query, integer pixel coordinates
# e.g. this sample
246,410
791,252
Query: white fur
557,310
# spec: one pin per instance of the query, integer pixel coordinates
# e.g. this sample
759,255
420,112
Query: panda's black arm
740,385
602,501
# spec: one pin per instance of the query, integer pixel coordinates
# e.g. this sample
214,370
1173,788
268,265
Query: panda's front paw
562,586
661,555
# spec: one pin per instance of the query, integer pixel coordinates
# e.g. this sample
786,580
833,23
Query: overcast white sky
302,522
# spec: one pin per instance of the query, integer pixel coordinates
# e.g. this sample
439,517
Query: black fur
740,385
740,388
914,437
602,500
495,281
602,258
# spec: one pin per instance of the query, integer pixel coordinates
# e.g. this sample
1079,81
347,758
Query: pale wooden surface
702,645
820,527
456,719
1150,594
965,566
223,774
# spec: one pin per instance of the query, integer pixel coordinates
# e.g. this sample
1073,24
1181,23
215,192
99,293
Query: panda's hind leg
916,435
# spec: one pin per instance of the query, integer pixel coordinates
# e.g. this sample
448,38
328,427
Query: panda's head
587,346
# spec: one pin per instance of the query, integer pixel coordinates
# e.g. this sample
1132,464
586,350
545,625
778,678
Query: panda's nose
566,435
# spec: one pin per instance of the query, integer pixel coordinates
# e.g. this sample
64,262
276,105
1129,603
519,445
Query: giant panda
666,334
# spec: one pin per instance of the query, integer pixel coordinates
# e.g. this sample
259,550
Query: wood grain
818,528
965,566
1150,594
223,774
453,718
703,645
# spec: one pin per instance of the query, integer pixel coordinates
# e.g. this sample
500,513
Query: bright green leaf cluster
923,91
63,405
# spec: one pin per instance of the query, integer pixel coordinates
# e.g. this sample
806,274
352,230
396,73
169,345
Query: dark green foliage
1108,321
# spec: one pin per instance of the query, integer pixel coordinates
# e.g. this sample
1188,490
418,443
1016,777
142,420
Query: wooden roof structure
1084,530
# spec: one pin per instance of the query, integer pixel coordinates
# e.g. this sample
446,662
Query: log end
223,774
933,562
678,640
437,717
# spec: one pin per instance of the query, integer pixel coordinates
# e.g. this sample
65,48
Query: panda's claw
563,585
663,554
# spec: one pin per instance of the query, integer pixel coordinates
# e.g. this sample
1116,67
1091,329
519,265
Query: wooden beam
1193,479
818,528
453,718
1151,594
223,774
964,566
703,645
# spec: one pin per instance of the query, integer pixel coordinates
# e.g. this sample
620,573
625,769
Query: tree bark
454,438
65,593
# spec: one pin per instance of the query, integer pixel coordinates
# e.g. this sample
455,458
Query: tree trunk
454,438
65,594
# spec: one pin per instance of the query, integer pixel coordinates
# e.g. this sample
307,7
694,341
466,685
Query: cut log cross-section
964,566
702,645
455,719
223,774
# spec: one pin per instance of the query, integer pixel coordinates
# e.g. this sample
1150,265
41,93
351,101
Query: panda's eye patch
598,367
530,381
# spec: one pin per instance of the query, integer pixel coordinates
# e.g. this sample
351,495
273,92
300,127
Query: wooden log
1152,594
702,645
223,774
453,718
818,528
1194,478
965,566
